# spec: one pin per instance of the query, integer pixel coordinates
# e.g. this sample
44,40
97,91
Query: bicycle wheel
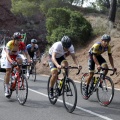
53,100
83,85
22,89
105,92
69,95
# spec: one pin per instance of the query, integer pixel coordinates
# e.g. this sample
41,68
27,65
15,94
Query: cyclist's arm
27,55
54,60
38,53
8,56
111,60
75,59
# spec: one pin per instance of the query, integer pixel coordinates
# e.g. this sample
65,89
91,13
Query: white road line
80,108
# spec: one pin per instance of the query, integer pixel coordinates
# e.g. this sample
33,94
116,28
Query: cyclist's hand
59,66
29,61
14,63
98,67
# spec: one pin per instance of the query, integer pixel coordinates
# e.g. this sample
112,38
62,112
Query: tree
112,12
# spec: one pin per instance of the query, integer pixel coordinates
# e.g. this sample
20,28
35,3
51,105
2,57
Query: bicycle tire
69,90
105,89
54,100
22,90
83,85
34,73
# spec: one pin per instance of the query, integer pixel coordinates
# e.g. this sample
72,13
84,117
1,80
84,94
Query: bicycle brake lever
78,72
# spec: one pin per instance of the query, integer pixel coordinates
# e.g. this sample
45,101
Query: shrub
61,21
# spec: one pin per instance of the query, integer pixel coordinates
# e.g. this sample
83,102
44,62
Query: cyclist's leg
19,61
7,77
103,64
91,66
64,63
54,75
6,80
29,70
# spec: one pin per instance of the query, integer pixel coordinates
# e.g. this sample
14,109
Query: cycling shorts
5,63
91,63
59,60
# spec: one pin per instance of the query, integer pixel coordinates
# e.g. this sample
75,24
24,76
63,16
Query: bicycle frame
65,79
100,78
104,94
68,90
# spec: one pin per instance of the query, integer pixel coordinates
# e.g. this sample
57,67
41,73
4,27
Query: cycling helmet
33,41
66,42
17,36
106,37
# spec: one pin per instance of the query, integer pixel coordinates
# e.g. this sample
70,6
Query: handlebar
70,67
114,71
23,64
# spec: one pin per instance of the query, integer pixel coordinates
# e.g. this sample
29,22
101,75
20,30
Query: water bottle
95,80
60,83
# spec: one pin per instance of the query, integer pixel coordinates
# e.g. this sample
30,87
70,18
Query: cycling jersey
32,53
29,46
97,49
13,49
58,48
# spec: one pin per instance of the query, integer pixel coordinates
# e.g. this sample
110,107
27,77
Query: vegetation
63,19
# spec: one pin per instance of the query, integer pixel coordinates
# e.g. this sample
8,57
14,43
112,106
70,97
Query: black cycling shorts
91,63
59,60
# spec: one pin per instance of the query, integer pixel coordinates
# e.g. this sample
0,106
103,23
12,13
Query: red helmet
17,36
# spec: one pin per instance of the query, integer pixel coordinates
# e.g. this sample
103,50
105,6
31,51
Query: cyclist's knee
64,63
54,73
104,65
8,71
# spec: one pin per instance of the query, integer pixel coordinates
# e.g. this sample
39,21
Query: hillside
82,54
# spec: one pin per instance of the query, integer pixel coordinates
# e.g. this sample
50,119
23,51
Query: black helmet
33,41
106,37
66,42
17,36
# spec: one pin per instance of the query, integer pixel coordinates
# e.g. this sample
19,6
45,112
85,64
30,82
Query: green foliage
24,7
61,21
47,4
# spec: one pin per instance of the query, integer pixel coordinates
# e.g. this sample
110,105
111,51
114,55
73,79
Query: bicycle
65,87
32,69
102,85
18,83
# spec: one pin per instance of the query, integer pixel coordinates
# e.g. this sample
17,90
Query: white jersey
58,48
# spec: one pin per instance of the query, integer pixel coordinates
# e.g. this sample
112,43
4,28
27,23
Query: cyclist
95,57
33,51
12,50
57,58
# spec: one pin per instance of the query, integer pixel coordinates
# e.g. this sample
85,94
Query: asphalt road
38,106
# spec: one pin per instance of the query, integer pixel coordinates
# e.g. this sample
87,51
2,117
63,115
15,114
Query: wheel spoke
22,90
70,96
